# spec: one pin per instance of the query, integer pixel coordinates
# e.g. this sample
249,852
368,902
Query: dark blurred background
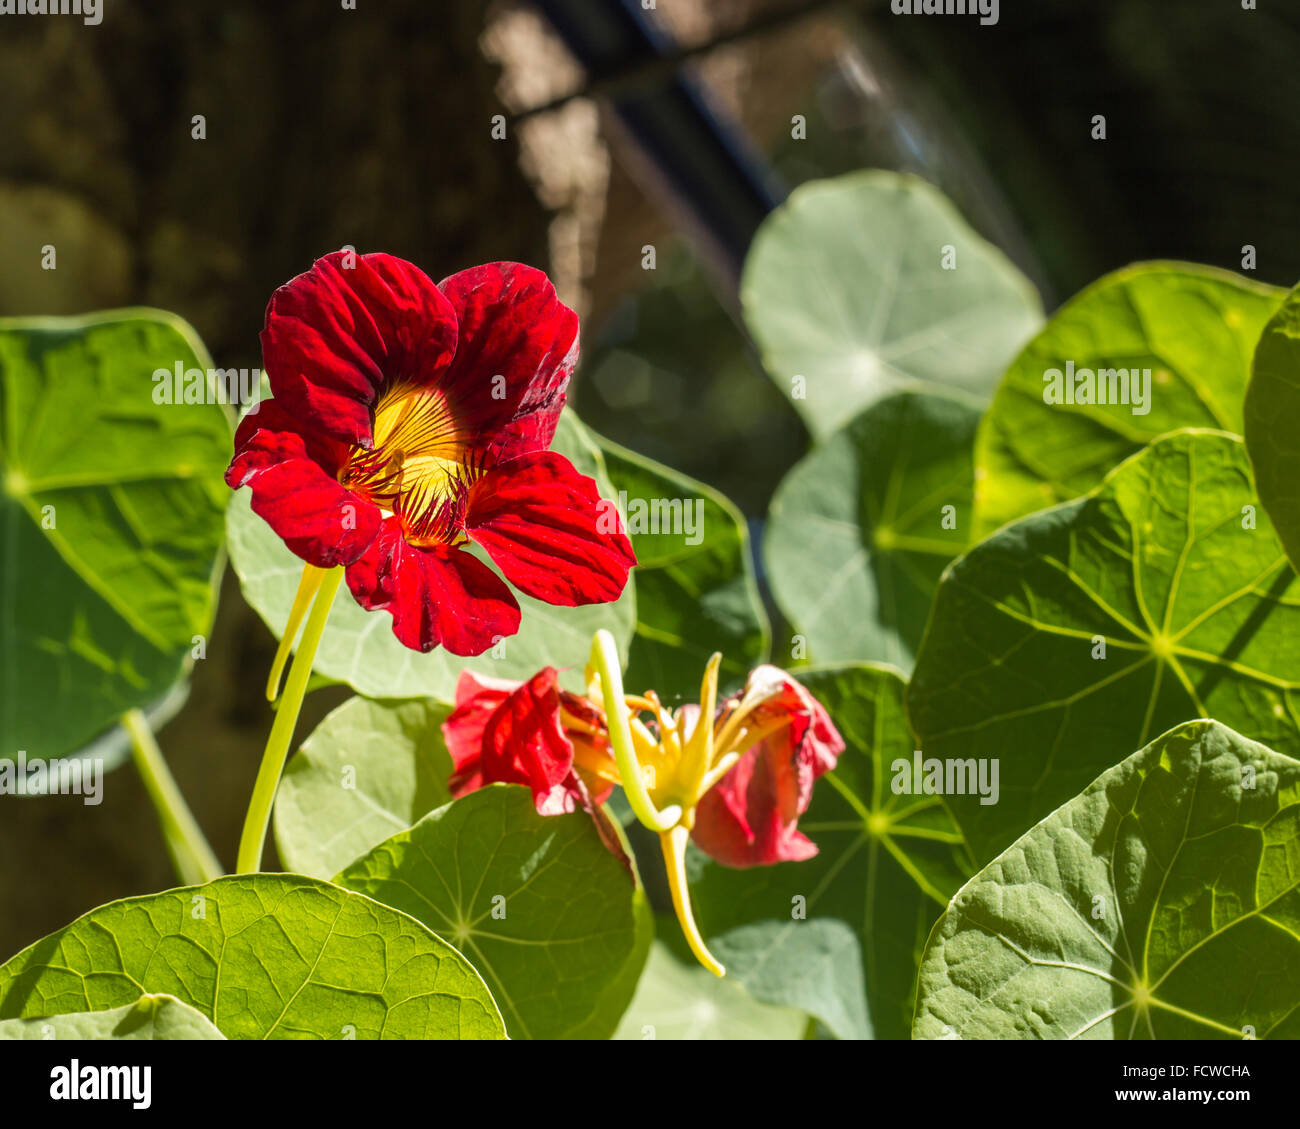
625,129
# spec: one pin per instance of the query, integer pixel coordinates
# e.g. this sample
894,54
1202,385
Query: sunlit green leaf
861,529
263,956
1273,423
150,1017
111,520
1083,631
539,903
369,770
1161,903
857,285
1192,328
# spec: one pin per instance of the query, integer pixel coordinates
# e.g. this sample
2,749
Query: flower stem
674,846
308,586
604,657
253,840
193,858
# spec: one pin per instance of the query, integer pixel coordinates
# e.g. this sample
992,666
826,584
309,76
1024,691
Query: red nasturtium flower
410,418
532,733
776,736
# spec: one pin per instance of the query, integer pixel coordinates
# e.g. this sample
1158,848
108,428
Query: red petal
547,528
477,698
291,475
437,595
522,741
749,817
511,326
335,335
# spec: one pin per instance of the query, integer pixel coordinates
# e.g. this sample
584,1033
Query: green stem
604,657
253,840
193,858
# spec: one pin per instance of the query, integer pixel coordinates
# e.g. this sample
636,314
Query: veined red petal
436,596
290,473
749,818
521,740
517,347
337,334
477,698
547,528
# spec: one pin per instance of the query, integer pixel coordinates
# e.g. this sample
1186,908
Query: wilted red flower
749,817
557,743
532,733
409,419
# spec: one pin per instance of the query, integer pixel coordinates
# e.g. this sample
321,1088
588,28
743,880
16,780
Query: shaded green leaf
111,516
263,956
538,903
845,286
359,647
1193,327
369,770
885,869
696,592
1085,630
1273,423
150,1017
1161,903
677,999
861,529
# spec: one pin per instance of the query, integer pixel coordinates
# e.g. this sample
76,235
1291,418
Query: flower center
419,468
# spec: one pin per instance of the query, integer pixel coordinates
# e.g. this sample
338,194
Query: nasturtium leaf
840,935
695,587
369,770
1085,630
863,283
111,518
359,647
1163,902
263,956
677,999
861,529
150,1017
540,904
1193,328
1273,423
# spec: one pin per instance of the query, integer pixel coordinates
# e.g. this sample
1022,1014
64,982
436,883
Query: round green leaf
1273,423
369,770
695,587
359,647
538,903
861,529
1085,630
677,999
1194,328
1161,903
263,956
111,517
150,1017
871,280
839,936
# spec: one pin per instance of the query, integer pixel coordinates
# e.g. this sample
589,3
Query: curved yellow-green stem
193,858
604,657
308,586
253,839
674,846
